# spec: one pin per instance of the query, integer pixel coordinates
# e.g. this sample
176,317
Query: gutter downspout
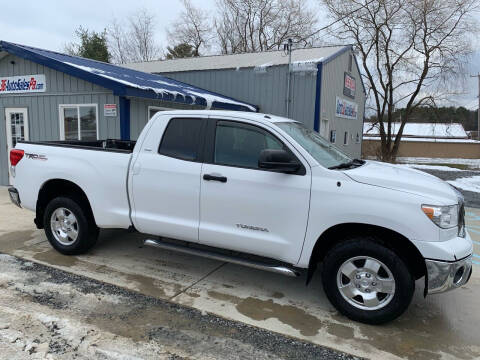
318,97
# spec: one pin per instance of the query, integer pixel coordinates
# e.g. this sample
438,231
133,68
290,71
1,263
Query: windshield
320,149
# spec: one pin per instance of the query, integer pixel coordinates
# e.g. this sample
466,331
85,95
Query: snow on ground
472,163
468,183
430,167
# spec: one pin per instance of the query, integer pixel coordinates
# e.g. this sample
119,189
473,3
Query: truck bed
114,145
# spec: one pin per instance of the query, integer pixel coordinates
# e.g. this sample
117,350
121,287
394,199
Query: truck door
245,208
166,179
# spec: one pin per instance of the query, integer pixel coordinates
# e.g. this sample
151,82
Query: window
350,60
345,138
152,110
333,136
240,145
181,139
78,122
357,138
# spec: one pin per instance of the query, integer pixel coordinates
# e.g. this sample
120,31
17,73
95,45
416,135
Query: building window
350,61
357,138
152,110
79,122
345,138
333,136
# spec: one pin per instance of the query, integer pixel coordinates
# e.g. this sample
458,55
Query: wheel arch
54,188
391,239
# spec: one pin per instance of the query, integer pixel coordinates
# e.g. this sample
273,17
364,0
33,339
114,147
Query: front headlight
444,216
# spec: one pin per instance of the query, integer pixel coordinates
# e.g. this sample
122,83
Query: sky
50,24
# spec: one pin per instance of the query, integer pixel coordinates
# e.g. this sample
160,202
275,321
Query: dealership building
47,96
323,88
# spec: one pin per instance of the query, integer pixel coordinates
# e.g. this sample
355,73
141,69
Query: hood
402,178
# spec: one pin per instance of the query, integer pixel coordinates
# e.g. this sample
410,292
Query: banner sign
349,86
110,110
22,84
346,109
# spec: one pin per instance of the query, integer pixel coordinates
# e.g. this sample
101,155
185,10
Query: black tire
85,226
370,247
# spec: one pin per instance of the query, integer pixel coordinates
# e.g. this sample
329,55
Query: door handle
209,177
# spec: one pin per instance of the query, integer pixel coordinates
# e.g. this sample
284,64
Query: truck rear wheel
69,226
366,281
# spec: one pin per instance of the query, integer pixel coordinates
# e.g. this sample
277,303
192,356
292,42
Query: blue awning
126,82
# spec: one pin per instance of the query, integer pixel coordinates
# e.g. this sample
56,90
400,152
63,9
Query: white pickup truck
257,190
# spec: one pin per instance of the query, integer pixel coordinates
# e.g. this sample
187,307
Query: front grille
461,220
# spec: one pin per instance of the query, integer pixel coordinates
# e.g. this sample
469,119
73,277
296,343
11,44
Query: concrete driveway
438,327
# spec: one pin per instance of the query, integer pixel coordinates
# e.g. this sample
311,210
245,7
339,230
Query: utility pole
288,47
478,110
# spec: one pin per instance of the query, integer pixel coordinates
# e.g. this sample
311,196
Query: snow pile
262,69
304,67
472,163
430,167
469,183
301,67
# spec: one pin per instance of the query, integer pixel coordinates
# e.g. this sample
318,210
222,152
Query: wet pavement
443,326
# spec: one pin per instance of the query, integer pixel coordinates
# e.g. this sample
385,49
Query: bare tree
142,36
261,25
133,39
409,49
118,43
193,27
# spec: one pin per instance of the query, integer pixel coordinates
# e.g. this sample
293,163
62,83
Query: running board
221,257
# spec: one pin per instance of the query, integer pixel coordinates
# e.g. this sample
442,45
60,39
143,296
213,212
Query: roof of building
420,130
244,60
123,81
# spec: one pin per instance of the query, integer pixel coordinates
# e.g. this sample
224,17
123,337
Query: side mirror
278,160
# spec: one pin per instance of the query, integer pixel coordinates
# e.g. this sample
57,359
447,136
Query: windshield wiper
347,165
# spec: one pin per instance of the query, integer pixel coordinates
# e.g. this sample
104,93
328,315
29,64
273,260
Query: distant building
440,140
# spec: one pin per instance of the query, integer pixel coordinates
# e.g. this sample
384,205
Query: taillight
15,156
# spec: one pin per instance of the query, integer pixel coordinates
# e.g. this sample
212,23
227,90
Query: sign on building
349,86
23,84
346,109
110,110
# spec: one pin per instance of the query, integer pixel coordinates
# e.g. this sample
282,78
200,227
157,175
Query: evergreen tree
92,45
182,50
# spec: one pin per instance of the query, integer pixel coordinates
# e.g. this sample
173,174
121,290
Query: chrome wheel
366,283
64,226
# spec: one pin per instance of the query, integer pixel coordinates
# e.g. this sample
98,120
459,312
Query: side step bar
221,257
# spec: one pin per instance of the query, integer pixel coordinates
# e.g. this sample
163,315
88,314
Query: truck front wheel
366,281
69,226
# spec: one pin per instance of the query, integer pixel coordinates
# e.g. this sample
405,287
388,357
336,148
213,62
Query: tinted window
181,139
240,145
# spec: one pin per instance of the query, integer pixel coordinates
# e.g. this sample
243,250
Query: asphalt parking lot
439,327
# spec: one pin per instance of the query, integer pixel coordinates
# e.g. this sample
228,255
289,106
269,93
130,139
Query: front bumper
14,196
444,276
